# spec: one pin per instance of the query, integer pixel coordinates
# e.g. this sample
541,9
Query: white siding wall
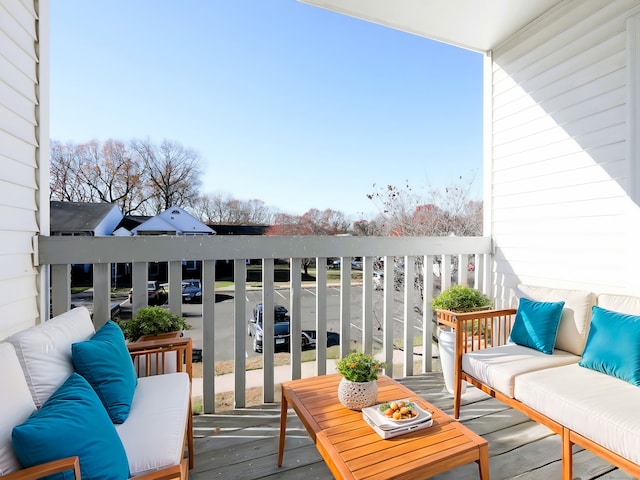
562,214
20,132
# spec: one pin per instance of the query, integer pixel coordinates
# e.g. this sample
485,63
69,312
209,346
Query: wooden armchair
474,331
166,355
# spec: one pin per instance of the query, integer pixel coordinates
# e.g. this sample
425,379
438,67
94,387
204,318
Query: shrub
460,297
152,321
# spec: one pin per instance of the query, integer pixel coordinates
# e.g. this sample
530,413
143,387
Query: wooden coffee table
351,448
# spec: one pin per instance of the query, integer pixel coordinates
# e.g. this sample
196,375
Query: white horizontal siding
18,157
561,212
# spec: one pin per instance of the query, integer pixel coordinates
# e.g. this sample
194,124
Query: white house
561,129
562,126
84,218
173,221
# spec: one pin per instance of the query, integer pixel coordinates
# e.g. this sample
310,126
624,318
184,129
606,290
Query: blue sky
287,103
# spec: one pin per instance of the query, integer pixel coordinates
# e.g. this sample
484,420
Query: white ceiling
478,25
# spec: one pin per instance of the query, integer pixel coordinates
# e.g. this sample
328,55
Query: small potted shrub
461,299
456,299
152,322
358,388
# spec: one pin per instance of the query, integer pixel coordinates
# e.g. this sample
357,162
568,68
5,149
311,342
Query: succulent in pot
358,388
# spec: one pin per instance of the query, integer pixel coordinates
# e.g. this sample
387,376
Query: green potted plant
456,299
461,298
152,322
358,388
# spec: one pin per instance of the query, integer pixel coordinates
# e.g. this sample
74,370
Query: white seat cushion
17,405
597,406
576,314
497,367
44,351
154,432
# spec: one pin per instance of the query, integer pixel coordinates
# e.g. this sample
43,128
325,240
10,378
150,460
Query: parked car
156,293
281,328
191,291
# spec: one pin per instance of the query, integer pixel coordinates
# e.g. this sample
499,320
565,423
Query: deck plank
243,443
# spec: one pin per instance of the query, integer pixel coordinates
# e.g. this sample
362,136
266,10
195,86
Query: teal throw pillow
72,422
105,363
536,324
613,345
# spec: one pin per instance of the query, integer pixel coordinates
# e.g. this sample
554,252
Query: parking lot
224,315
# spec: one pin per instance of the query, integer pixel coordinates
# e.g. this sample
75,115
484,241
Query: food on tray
399,410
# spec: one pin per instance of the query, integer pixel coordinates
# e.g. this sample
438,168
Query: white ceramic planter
357,395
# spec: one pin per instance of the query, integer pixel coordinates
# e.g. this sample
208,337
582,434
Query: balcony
377,337
227,442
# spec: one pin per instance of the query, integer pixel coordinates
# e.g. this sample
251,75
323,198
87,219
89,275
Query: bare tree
223,209
65,183
174,173
113,176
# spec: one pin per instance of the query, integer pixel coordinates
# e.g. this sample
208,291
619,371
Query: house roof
173,221
479,25
78,217
240,229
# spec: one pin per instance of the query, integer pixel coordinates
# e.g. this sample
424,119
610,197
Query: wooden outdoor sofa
72,400
585,388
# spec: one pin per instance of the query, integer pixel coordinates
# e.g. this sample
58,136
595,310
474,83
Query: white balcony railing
61,252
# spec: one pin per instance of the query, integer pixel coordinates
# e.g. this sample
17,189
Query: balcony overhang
478,25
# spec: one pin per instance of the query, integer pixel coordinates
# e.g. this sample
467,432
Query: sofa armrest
168,473
479,329
151,356
49,468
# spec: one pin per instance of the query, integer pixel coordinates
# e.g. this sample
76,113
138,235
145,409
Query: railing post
268,320
240,352
175,287
208,335
427,314
295,330
321,316
61,289
101,294
367,305
409,313
345,306
389,291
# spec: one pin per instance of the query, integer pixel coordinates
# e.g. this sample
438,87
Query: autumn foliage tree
313,222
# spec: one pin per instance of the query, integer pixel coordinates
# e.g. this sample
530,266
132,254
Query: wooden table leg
483,462
284,407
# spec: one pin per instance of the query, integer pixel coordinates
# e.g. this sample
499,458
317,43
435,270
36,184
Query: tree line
144,178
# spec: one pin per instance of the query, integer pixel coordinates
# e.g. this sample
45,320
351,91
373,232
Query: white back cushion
44,351
576,314
620,303
16,405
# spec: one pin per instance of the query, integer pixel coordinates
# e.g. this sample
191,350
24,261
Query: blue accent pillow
72,422
105,363
613,345
536,324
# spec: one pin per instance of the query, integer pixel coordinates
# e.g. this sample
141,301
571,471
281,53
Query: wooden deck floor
243,444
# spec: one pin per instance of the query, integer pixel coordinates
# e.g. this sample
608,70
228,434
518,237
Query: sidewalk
254,378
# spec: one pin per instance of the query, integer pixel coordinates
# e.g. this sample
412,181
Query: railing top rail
67,250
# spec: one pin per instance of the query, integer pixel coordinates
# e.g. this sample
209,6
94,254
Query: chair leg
192,461
567,455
